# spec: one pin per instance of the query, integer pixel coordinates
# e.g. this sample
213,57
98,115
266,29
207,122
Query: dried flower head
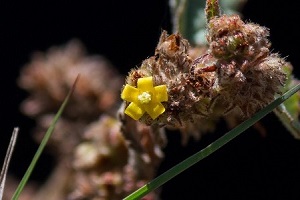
248,75
49,76
106,167
168,67
235,77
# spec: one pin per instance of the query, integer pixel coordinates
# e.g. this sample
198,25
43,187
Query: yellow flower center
144,98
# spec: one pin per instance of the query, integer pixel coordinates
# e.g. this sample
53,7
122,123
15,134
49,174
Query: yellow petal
154,110
134,111
161,93
145,84
129,93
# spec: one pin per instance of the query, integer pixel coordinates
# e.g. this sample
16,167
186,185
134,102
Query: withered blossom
48,77
104,165
234,78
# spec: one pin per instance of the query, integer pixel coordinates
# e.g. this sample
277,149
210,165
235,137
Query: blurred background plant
88,165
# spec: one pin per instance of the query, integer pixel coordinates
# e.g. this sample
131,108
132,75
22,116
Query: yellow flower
145,98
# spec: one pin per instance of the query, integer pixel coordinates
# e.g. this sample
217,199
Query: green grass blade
177,169
42,145
7,159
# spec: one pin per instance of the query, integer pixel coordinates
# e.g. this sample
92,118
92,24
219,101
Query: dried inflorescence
105,167
49,76
169,66
99,160
248,75
234,78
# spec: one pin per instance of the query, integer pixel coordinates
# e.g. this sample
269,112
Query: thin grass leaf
177,169
43,144
7,159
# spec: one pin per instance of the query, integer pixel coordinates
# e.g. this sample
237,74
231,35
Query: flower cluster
104,166
235,77
49,76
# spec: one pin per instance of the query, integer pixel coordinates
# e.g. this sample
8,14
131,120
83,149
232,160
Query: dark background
126,32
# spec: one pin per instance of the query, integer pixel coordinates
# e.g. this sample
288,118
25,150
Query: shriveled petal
130,93
154,110
134,111
161,93
145,84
